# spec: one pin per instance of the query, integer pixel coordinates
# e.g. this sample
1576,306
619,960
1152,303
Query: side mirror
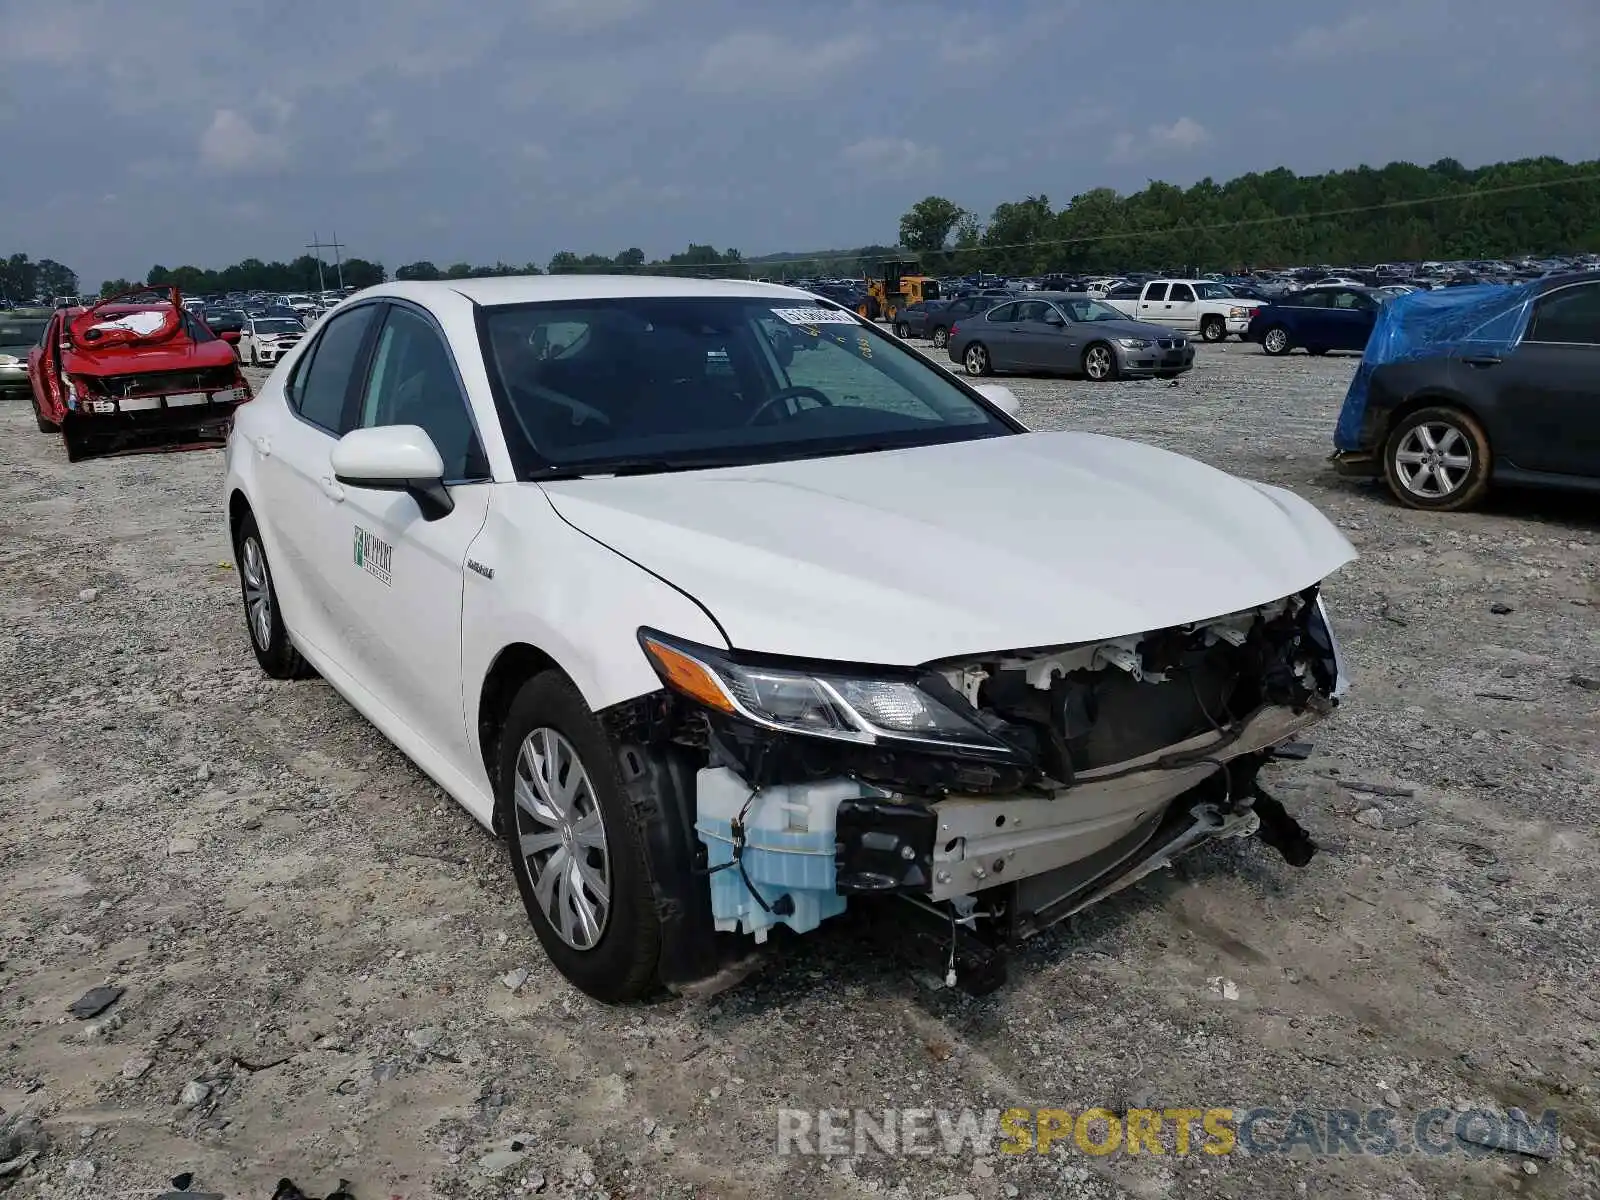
394,458
1000,396
1054,319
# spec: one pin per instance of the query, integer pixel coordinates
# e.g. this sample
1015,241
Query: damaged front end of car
993,794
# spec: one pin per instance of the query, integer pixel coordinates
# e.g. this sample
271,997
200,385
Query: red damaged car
134,372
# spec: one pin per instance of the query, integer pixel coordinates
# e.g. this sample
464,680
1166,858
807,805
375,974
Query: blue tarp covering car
1423,324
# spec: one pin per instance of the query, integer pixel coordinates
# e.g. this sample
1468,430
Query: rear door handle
331,489
1482,360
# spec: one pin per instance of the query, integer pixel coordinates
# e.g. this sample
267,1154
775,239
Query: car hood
906,556
1129,328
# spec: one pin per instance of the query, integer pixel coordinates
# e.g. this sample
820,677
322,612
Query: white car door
1152,303
1182,310
308,543
405,572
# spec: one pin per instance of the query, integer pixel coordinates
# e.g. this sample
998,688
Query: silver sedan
1068,334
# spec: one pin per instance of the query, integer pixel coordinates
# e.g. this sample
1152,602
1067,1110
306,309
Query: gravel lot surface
328,974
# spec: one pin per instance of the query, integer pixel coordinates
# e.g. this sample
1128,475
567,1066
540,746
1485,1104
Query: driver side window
413,382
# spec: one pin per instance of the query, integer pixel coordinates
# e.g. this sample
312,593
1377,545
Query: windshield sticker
142,324
374,555
816,316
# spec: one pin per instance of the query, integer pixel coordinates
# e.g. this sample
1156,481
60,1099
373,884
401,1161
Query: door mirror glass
396,458
1052,317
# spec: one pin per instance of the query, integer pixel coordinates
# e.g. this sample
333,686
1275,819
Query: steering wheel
789,393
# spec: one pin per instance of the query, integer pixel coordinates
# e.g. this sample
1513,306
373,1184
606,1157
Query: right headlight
817,701
1133,343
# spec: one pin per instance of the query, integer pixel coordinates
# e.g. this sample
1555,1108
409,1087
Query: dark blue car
1317,320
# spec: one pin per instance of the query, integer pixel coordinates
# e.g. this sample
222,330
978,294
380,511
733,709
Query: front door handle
1482,360
331,489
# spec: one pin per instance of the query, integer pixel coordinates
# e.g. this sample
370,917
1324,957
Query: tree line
1400,212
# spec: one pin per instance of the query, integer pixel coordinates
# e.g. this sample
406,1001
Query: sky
192,131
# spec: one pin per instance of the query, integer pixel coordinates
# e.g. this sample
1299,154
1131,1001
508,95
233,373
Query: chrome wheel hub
1277,339
1099,363
1433,460
561,835
257,593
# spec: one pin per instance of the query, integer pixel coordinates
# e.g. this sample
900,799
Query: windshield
14,333
1212,291
279,325
674,383
1090,310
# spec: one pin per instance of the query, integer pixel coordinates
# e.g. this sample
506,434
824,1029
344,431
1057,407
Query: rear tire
1275,341
902,331
1213,329
941,337
263,616
617,957
1437,459
75,440
976,360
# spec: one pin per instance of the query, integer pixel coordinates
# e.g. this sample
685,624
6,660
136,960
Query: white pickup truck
1201,304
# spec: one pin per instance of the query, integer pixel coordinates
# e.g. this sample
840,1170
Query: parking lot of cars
314,941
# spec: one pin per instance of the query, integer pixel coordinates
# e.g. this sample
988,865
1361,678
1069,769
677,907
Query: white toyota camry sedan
727,611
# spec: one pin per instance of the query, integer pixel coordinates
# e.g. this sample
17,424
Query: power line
316,245
1130,234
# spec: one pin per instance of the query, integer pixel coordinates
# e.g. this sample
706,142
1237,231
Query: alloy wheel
941,338
1276,341
1433,460
1097,363
257,593
561,834
977,360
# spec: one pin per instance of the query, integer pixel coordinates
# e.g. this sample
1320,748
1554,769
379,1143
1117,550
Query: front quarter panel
569,596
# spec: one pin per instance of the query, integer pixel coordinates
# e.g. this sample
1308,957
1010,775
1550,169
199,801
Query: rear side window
1570,316
322,382
1312,300
1156,291
1181,291
1006,312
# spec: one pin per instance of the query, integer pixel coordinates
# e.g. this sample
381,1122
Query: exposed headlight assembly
813,700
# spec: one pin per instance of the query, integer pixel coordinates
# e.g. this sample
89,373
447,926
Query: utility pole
316,245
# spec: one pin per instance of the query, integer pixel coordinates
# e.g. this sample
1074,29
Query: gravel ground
318,949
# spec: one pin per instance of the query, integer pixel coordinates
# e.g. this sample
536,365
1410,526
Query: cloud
1357,32
891,156
54,36
1183,135
231,144
583,16
764,63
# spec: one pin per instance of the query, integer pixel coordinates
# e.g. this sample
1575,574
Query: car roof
531,289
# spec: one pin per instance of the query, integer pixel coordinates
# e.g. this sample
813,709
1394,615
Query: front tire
1437,459
902,331
263,616
1275,341
575,849
1099,363
976,360
1213,329
255,359
45,426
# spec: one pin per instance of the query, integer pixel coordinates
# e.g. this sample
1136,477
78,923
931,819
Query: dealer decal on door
373,555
